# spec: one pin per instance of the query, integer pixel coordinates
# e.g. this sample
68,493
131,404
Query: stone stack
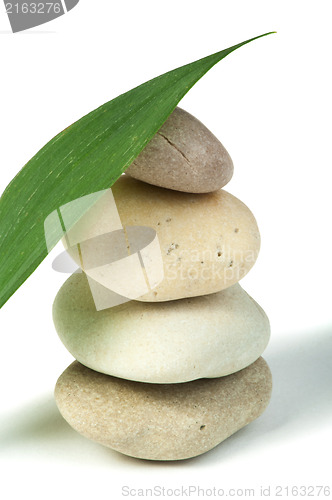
170,375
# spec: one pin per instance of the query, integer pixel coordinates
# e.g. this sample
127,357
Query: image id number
33,8
302,491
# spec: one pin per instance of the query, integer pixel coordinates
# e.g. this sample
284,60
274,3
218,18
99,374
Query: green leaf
87,157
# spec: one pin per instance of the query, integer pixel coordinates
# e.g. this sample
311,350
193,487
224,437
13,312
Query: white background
270,105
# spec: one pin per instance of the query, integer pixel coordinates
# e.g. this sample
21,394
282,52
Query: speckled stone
183,155
208,241
164,342
161,422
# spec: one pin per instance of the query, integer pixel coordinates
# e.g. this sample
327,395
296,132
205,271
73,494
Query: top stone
185,156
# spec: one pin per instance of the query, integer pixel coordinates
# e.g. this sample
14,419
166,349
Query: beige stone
164,342
207,242
161,422
183,155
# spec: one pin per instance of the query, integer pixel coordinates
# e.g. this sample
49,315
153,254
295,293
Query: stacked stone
172,374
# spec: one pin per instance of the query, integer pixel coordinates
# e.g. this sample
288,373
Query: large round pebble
161,422
208,242
183,155
165,342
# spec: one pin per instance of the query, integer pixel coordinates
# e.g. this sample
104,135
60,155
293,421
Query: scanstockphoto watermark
120,263
27,14
222,263
195,491
159,491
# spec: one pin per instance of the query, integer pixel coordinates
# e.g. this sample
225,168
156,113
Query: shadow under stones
301,401
36,422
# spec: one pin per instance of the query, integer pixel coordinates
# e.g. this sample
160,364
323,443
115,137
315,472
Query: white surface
270,104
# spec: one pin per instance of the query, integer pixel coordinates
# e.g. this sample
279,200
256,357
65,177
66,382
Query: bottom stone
161,421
